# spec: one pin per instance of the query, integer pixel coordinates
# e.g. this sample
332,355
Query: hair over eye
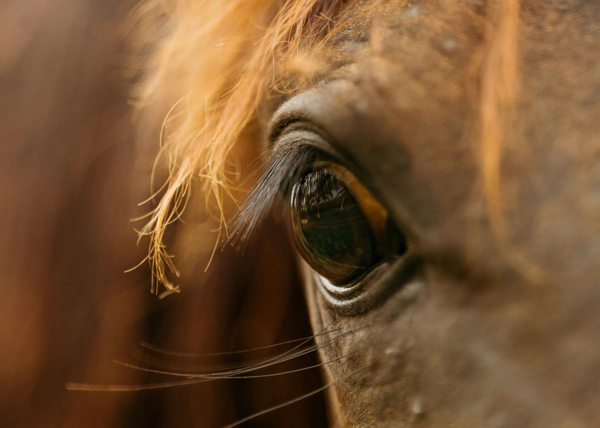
338,226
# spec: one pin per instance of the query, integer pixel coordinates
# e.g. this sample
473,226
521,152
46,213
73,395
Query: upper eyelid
283,118
303,133
306,107
311,134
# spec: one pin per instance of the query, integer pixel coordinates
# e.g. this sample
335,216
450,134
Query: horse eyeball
338,226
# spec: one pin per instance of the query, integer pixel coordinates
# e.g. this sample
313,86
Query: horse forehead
429,51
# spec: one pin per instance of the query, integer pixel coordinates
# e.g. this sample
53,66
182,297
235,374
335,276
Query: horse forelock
225,57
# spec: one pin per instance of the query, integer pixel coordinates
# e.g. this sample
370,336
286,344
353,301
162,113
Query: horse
436,164
424,173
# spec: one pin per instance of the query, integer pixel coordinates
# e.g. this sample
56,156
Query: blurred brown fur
74,167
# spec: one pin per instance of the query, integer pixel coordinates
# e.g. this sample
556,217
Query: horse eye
339,228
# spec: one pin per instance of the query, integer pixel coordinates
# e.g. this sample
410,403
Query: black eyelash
283,169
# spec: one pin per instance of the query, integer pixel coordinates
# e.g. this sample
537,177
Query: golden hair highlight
499,94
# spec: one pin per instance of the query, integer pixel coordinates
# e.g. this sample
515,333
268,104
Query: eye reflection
339,228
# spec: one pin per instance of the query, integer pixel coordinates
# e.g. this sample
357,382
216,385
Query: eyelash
283,169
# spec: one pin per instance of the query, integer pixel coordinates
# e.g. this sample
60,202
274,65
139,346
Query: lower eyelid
398,274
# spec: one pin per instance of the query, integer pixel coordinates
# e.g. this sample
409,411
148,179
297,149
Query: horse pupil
331,231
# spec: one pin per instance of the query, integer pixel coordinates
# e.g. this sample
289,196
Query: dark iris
331,230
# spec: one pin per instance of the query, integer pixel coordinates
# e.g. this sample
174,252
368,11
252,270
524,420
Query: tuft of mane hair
224,57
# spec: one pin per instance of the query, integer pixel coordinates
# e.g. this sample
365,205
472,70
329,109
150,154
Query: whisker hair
242,351
199,378
218,376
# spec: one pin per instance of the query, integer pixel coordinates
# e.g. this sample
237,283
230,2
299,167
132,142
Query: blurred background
73,166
